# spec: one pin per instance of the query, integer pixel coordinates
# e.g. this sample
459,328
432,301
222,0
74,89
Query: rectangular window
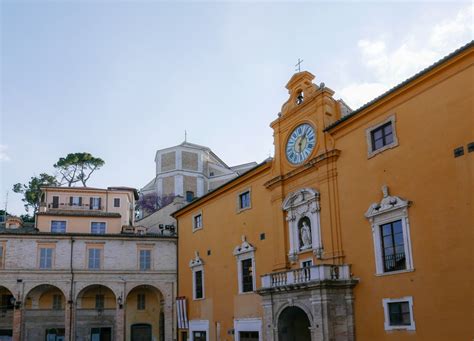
145,259
244,200
141,302
75,201
97,227
189,196
1,256
55,201
116,202
46,258
248,336
58,226
57,302
99,301
94,259
199,336
94,203
382,136
198,292
247,275
393,248
306,263
399,313
197,221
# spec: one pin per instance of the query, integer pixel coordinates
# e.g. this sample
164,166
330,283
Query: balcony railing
394,262
67,206
305,275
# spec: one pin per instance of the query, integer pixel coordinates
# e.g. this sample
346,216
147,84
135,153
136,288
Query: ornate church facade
357,229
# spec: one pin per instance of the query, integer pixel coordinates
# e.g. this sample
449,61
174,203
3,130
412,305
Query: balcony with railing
394,262
45,207
306,275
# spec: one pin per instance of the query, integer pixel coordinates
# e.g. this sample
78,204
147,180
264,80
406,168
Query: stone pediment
196,261
244,247
299,198
387,204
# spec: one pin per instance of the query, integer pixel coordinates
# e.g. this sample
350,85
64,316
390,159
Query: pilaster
17,323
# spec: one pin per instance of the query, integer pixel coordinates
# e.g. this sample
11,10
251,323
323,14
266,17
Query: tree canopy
31,191
77,167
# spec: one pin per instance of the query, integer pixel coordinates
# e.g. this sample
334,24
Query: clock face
300,144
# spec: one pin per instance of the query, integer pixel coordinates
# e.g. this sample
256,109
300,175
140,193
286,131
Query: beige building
86,271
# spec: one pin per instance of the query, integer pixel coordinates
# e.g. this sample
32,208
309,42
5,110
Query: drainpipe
71,301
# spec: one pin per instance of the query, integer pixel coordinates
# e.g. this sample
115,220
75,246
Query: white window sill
394,272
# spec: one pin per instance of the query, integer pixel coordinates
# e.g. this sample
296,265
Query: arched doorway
143,308
95,313
44,313
6,314
293,325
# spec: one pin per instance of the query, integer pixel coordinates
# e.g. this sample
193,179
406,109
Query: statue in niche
304,229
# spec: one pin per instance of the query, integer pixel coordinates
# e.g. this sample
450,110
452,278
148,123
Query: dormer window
300,97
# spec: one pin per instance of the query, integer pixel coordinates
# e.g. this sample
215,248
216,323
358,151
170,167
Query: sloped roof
402,84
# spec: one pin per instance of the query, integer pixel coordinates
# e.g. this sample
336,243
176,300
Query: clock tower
299,129
304,163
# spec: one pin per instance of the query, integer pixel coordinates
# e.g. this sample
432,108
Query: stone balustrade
305,275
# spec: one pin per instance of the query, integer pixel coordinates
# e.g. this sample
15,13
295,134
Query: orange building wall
434,115
421,169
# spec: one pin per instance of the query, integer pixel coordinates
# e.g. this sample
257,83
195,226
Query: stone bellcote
301,88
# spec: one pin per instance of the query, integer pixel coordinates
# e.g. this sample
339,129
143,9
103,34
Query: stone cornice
314,162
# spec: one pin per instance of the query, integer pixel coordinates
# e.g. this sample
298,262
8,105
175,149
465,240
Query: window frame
99,247
57,303
3,252
141,301
195,296
387,325
98,222
140,259
196,228
92,205
240,207
65,226
119,202
389,210
40,260
72,200
242,252
371,151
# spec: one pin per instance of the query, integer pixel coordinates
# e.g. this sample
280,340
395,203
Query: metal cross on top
298,65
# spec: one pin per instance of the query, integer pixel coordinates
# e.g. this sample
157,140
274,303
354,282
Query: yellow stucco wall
433,115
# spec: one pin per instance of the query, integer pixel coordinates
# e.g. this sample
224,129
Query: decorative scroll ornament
196,261
388,203
244,247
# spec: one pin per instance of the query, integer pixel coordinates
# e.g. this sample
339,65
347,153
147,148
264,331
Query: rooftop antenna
298,65
185,136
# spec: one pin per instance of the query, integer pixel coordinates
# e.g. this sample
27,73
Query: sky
122,79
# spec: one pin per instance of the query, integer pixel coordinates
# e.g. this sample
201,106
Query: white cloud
390,67
3,153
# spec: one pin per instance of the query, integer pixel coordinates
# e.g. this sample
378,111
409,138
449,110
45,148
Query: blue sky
123,79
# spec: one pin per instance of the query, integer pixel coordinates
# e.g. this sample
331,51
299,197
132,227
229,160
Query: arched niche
303,217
